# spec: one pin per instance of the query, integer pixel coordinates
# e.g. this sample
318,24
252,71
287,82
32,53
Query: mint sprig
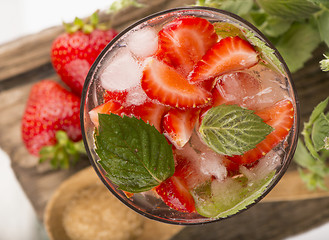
232,130
135,156
311,155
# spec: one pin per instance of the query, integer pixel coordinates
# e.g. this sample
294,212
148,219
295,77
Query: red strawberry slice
229,54
184,41
106,108
117,96
178,125
163,83
175,194
149,112
279,116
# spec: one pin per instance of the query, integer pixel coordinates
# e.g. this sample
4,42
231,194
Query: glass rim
296,126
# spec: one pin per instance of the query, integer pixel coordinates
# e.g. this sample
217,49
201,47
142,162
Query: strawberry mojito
189,116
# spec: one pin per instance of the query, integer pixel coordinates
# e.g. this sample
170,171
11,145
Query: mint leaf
134,154
239,7
223,199
297,44
317,111
289,9
225,29
320,132
232,130
266,51
321,3
323,26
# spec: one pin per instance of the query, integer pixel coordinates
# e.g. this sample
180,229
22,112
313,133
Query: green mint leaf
304,159
312,180
239,7
276,26
297,44
317,111
225,29
320,132
135,156
289,9
324,4
324,64
230,196
267,53
232,130
119,5
323,26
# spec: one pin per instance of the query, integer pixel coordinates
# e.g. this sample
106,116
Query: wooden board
26,61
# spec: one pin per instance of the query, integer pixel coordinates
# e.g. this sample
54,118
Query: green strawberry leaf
320,132
232,130
135,156
289,9
297,44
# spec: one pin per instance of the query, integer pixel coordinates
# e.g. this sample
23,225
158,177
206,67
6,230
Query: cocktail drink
190,116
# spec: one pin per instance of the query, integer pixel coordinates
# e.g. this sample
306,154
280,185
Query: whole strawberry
51,111
73,52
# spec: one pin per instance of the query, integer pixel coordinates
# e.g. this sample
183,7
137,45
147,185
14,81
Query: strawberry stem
64,153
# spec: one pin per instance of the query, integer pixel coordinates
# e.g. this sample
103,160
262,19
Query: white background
18,18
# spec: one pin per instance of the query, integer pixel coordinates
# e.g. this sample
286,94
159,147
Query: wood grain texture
26,61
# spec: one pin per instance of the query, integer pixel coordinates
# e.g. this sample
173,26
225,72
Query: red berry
72,54
163,83
229,54
178,125
49,108
184,41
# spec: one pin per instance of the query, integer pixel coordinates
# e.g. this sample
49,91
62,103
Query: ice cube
273,88
143,43
211,164
122,73
266,165
136,96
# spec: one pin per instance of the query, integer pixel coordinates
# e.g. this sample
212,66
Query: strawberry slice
106,108
163,83
178,125
149,112
184,41
118,96
279,116
229,54
176,195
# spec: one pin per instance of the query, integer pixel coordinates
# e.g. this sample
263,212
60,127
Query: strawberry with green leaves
73,52
51,123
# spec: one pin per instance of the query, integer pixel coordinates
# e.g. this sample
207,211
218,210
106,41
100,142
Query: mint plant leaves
311,154
232,130
134,154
